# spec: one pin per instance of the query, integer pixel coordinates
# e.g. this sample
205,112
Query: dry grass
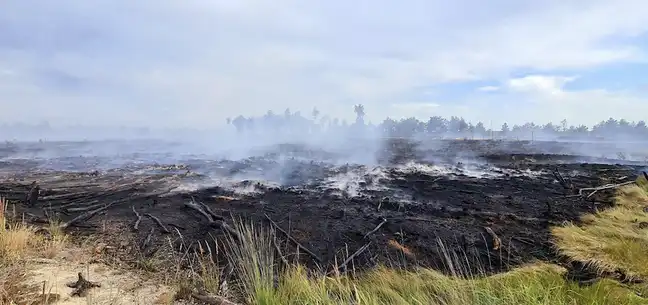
612,240
536,284
19,242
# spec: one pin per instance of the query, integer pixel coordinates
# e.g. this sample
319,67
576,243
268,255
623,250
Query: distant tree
315,114
239,123
360,113
505,129
480,130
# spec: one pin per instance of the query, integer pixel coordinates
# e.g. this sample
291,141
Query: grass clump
538,284
612,240
532,285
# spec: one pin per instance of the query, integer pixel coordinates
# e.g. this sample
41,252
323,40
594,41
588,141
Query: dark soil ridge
494,224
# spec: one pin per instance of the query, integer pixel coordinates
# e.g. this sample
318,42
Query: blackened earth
437,201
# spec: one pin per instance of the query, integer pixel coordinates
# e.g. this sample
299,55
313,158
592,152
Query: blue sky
194,63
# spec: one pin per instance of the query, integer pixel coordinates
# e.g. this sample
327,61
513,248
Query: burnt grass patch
415,217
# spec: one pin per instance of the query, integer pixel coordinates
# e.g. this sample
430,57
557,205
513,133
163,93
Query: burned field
486,205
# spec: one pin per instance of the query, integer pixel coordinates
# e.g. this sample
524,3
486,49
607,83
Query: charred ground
489,203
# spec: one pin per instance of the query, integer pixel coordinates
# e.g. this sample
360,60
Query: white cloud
540,84
197,62
488,88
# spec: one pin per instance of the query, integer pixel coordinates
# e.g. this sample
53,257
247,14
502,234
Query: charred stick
352,256
81,286
87,208
376,228
293,239
67,196
147,240
210,212
139,219
87,215
192,205
225,227
76,203
216,223
159,223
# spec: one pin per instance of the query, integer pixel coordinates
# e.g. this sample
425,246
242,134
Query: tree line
436,126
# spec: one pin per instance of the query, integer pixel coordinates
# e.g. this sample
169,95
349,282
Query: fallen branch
376,229
159,222
352,256
139,219
210,212
603,187
276,246
81,286
88,215
215,223
309,252
86,208
192,205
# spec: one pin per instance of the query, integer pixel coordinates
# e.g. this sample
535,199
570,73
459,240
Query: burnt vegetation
487,203
399,218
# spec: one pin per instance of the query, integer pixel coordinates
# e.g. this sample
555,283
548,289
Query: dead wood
212,299
567,184
210,212
32,196
497,242
81,286
87,215
147,240
276,246
227,228
194,206
384,221
352,256
86,208
603,187
159,223
68,196
313,255
138,220
215,223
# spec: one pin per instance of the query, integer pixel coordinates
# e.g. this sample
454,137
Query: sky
193,63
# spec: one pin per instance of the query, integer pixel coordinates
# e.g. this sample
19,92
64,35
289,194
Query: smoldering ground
395,199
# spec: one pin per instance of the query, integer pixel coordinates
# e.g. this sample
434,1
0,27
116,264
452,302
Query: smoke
348,159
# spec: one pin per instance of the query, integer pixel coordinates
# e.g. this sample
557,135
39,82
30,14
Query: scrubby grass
532,285
612,240
535,284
